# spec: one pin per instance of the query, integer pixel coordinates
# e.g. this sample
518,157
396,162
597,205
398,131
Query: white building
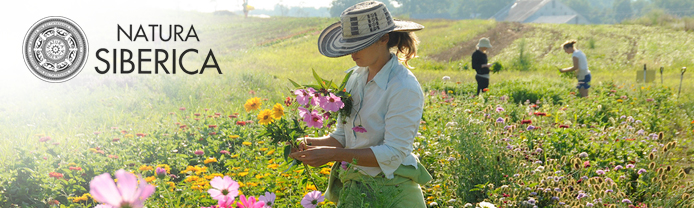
540,11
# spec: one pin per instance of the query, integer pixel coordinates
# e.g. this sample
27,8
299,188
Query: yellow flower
619,100
236,168
241,185
210,160
263,149
277,111
261,142
247,143
265,117
171,184
251,184
145,168
273,166
270,152
235,156
325,171
233,136
259,176
150,179
129,136
211,176
242,174
200,170
311,187
252,104
191,179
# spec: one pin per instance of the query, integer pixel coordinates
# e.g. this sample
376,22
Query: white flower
487,205
451,201
446,78
433,204
468,205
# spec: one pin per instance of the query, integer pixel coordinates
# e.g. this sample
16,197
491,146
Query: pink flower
199,152
44,139
268,198
224,152
359,129
586,164
331,103
312,199
182,108
126,194
499,109
344,165
314,120
249,203
304,113
160,171
224,190
303,96
104,206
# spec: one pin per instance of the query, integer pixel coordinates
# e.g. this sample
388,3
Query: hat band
360,24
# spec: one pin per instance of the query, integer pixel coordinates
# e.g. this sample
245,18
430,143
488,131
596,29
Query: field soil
500,37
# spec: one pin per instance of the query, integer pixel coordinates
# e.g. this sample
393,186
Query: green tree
338,6
676,7
623,10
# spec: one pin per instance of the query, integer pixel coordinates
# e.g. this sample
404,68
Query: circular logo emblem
55,49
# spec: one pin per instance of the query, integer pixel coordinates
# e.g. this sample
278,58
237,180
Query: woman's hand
304,144
315,156
486,65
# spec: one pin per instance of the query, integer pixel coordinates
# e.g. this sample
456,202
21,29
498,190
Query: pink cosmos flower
268,198
126,194
224,190
359,129
249,202
302,96
103,206
312,199
199,152
224,152
314,120
304,114
160,171
331,103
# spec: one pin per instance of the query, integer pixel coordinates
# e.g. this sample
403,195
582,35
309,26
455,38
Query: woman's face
568,50
369,55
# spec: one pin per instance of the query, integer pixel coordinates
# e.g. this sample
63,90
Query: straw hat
365,23
484,42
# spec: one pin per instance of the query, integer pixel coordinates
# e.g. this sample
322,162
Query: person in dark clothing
479,63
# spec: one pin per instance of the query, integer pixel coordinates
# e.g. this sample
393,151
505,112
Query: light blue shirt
390,107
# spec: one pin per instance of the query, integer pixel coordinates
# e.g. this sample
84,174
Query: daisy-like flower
277,111
304,114
600,172
629,166
302,96
641,171
312,199
249,202
224,190
252,104
331,103
128,193
499,109
268,198
359,129
265,117
314,120
500,120
486,205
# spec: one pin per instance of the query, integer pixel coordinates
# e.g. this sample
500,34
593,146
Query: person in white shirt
387,108
580,66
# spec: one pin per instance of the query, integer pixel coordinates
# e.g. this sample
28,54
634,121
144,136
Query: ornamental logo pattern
55,49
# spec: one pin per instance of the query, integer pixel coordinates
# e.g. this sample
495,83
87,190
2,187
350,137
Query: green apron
356,189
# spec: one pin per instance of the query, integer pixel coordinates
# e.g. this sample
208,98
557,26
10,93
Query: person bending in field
479,63
388,105
580,65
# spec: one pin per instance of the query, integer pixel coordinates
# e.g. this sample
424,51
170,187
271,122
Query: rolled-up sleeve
339,133
401,123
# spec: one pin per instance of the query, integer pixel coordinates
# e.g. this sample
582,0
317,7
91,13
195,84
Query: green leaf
344,80
287,150
297,85
291,166
321,82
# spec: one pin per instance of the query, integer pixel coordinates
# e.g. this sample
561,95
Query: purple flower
641,171
640,132
630,166
312,199
538,150
499,109
626,201
500,120
530,127
160,171
581,195
331,103
609,191
359,129
127,193
314,120
302,96
224,190
554,198
618,167
344,165
589,204
268,198
507,127
649,100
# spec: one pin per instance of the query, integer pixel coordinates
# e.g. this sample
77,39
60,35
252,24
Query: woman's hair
406,43
569,44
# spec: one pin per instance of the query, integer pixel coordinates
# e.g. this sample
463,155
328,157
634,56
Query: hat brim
332,44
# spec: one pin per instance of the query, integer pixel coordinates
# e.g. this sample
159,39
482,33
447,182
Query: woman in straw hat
580,65
479,63
388,102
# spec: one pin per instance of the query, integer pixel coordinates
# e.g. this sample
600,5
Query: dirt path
501,36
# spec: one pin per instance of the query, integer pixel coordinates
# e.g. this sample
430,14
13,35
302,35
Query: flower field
529,141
